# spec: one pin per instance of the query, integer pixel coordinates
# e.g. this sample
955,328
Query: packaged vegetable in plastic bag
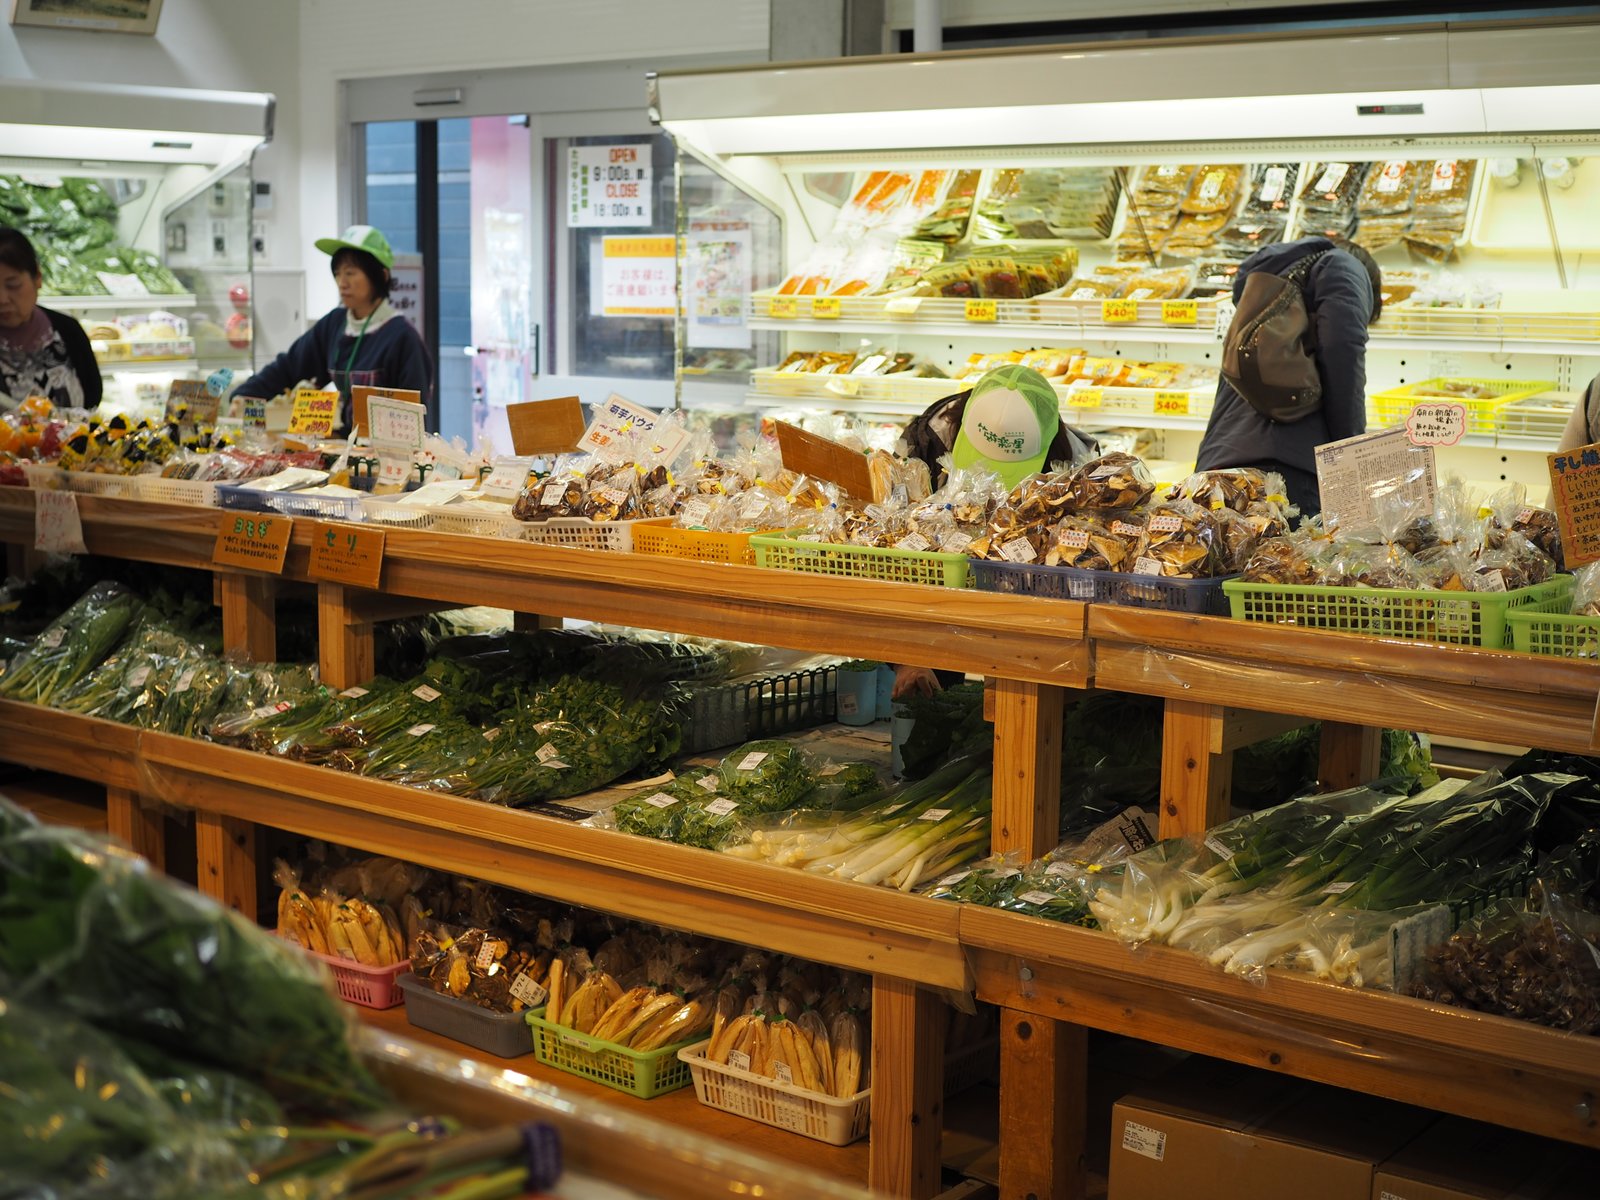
72,645
767,776
1509,509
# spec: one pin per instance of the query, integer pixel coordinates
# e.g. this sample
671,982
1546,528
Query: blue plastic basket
1102,587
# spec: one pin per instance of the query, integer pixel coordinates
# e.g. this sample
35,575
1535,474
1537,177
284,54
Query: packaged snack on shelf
910,261
865,268
1508,509
1328,197
1048,203
1114,482
1389,189
1181,541
1157,285
1086,541
948,221
1214,190
1444,187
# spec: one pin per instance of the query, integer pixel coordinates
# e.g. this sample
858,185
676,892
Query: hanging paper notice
1353,475
638,277
1575,495
57,528
717,266
361,396
609,185
395,425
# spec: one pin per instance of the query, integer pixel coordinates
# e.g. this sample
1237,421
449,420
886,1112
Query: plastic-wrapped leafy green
64,275
948,724
92,197
652,813
436,756
711,822
72,645
766,776
133,683
14,198
195,698
153,273
93,932
843,786
79,1117
93,233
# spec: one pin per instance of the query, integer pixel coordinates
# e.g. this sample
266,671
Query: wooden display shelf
1489,1068
679,1108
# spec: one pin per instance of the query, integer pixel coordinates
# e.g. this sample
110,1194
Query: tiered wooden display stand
1226,684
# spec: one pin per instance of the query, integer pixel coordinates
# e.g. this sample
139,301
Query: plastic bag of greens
92,196
133,683
842,786
153,273
195,697
74,644
95,933
1535,958
767,776
80,1118
435,756
986,882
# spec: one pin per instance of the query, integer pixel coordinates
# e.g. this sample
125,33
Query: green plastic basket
1463,618
1564,635
787,552
641,1073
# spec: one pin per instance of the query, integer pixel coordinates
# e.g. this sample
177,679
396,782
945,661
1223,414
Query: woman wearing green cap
363,342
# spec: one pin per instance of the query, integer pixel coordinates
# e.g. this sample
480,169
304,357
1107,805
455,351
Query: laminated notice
1141,1139
1036,897
934,814
426,694
1018,550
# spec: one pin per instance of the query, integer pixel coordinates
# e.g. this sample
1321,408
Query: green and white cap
360,237
1011,419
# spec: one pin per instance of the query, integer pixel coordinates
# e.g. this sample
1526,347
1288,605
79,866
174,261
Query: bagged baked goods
1114,482
1087,541
1288,559
1181,541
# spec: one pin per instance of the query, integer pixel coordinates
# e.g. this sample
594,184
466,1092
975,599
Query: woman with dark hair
1343,290
364,342
42,352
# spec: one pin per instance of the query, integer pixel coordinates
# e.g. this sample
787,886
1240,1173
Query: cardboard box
1219,1132
1466,1160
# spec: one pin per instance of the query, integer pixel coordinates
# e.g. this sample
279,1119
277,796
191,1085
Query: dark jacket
1338,294
391,356
79,359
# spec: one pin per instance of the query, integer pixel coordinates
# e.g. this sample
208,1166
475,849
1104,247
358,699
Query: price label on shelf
782,307
346,554
1179,312
1085,398
57,527
825,308
314,412
257,542
1172,404
1119,312
982,310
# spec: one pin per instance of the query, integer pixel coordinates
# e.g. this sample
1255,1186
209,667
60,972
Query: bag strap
1301,269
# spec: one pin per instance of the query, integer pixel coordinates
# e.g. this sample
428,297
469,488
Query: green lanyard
349,363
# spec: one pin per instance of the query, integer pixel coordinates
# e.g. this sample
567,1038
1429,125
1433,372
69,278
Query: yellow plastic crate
702,545
1394,406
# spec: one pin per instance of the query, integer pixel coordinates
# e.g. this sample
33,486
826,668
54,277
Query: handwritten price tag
782,307
1119,312
1085,398
982,310
825,308
57,528
256,542
1179,312
314,412
1172,404
346,554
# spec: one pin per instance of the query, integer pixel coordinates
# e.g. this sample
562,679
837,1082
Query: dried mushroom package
1087,541
1114,482
1181,541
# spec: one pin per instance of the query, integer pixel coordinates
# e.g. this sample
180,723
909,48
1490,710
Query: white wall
233,45
356,39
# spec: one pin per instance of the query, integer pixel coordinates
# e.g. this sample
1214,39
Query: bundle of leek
909,837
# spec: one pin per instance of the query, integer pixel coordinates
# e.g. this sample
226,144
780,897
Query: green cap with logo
359,237
1010,421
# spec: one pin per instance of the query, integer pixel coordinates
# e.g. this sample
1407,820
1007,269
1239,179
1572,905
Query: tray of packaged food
584,534
902,387
1102,587
836,1120
162,490
642,1073
98,483
1543,417
504,1035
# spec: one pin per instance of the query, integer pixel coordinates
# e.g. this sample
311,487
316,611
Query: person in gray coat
1343,294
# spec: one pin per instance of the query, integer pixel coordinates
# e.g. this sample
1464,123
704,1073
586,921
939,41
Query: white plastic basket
837,1122
92,483
583,533
476,523
173,491
44,476
391,514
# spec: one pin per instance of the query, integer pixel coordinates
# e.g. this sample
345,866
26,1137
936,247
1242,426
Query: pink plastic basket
370,987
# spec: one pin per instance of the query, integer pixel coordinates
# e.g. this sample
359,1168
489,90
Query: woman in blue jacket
1343,293
363,342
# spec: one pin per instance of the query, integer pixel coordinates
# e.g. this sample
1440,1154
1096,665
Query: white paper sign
1354,474
638,277
57,528
609,185
716,283
507,479
441,491
1437,423
395,425
619,416
123,285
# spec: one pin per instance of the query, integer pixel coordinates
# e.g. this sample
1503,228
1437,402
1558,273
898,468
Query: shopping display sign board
192,400
314,413
1353,475
610,185
253,541
807,454
57,528
620,418
348,554
361,398
1575,495
545,426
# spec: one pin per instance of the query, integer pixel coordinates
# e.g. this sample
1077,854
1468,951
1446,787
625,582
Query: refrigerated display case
1094,199
138,201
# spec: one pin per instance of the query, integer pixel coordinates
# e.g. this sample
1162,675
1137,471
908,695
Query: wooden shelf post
908,1026
249,616
1350,755
1196,768
344,638
140,828
225,857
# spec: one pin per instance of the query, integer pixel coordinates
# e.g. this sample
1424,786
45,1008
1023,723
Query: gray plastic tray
502,1034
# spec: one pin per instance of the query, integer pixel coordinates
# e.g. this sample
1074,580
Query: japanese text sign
610,185
346,554
254,541
57,528
1575,495
1437,423
314,412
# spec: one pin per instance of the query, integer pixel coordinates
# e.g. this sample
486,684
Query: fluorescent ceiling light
165,146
